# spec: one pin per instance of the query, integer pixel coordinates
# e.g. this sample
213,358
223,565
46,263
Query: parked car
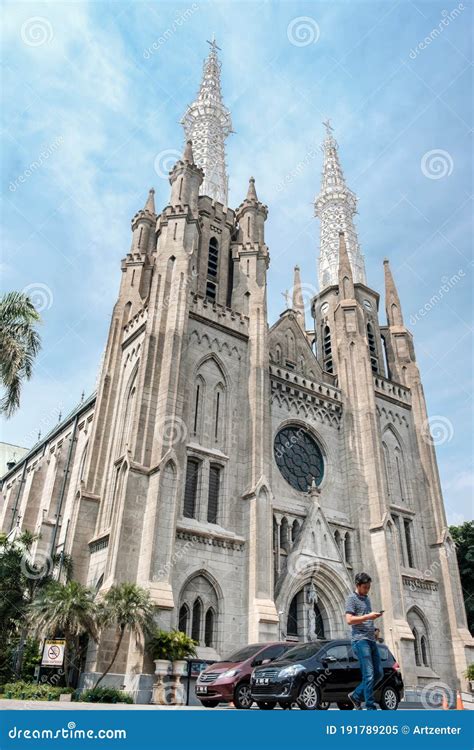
229,680
322,672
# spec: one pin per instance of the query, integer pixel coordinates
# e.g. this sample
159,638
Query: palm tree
68,610
19,345
125,606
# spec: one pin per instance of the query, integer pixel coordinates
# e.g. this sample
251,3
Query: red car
229,680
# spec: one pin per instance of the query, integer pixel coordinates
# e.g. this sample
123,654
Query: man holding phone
360,616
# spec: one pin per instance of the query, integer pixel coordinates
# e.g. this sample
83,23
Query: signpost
53,653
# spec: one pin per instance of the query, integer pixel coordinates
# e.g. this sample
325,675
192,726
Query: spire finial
188,155
335,206
297,301
251,192
207,124
150,201
393,307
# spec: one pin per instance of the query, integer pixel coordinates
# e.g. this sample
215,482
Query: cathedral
240,471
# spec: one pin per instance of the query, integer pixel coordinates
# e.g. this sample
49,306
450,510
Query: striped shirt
357,604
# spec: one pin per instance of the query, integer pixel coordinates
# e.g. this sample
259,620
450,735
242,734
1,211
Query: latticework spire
335,206
207,124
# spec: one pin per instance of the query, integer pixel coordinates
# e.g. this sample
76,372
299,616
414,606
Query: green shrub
172,645
105,695
31,691
470,672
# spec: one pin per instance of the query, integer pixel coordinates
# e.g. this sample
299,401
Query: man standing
360,616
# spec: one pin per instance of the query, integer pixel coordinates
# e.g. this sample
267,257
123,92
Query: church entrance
308,617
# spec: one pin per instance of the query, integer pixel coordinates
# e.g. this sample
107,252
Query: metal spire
207,124
335,206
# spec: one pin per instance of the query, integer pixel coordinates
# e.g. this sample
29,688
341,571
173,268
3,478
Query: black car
318,673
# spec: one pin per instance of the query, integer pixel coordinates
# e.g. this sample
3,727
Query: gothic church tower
243,473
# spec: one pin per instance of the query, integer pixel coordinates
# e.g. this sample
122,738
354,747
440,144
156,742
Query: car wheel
266,706
242,697
309,697
324,705
345,706
209,704
389,699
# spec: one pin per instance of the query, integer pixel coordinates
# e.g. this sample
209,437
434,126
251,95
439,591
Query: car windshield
301,652
244,653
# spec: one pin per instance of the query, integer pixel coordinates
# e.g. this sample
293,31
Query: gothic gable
290,348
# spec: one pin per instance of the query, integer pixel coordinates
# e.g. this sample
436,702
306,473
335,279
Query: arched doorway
308,617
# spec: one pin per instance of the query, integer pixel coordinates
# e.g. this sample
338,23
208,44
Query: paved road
68,706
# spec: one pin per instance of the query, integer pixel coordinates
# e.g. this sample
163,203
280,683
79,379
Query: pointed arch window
424,651
348,549
295,529
409,542
292,624
213,258
196,408
128,414
191,488
212,268
213,499
416,644
216,414
372,348
419,628
199,611
183,619
327,349
209,628
199,406
196,623
319,623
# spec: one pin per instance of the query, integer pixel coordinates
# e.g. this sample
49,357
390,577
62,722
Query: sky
93,93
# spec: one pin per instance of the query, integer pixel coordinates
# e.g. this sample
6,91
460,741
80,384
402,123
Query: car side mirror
257,663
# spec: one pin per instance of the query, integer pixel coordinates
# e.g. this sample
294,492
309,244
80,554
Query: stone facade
168,475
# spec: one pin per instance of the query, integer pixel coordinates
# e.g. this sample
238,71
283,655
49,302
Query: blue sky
93,94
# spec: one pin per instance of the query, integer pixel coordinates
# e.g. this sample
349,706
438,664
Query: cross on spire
213,44
328,126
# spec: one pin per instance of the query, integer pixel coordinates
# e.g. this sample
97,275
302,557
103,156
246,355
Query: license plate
263,680
201,689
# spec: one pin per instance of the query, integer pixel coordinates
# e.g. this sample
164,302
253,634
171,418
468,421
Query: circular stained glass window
299,457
